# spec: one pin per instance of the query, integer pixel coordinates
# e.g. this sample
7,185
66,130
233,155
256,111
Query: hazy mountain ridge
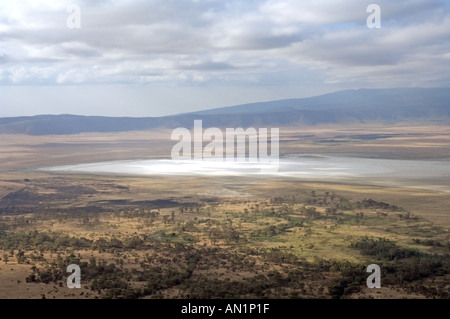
349,106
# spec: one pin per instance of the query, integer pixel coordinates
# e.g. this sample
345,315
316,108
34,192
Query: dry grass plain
252,225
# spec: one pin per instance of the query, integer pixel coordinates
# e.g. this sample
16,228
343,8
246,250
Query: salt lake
427,174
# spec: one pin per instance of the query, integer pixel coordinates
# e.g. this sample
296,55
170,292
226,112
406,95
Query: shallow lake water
429,174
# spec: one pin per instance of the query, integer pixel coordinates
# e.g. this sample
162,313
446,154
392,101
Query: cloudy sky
152,58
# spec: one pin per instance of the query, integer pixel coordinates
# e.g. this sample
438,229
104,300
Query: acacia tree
311,212
330,211
214,235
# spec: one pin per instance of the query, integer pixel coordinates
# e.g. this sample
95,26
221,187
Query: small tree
330,211
20,257
311,212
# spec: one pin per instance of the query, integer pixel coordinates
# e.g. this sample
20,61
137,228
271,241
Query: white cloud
225,43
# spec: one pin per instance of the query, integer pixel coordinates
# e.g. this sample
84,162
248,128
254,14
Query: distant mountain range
343,107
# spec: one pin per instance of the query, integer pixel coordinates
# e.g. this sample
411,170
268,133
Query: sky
161,57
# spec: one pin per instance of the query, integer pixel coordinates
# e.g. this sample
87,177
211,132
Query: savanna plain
191,236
